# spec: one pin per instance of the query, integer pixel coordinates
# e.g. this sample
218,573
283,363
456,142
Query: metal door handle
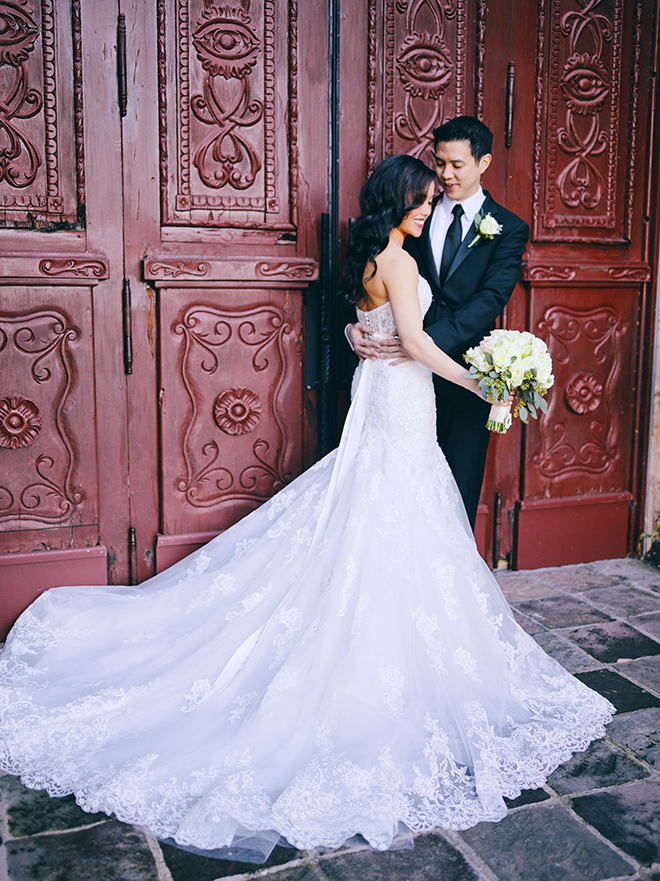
122,78
510,84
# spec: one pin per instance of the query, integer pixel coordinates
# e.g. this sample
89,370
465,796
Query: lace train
340,662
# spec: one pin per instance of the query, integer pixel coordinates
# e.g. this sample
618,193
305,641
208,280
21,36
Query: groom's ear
484,162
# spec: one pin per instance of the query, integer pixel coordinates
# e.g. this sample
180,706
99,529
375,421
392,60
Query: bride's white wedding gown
341,661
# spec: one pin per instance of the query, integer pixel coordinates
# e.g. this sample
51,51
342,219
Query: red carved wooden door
63,452
158,241
566,87
156,245
578,168
220,247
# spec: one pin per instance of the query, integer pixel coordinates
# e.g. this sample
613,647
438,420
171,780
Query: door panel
63,467
226,156
231,413
582,445
585,290
420,72
49,490
42,183
572,158
220,246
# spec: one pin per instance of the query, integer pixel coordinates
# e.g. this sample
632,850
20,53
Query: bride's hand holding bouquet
512,368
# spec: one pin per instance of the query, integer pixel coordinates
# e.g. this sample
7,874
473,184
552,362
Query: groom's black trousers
463,436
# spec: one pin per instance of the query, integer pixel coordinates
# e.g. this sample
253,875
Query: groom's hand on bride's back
358,339
364,347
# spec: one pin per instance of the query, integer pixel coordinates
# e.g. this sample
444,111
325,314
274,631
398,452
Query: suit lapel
489,206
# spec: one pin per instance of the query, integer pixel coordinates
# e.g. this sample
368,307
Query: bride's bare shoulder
396,266
397,261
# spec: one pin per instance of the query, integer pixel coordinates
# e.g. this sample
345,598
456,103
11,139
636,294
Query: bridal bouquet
511,362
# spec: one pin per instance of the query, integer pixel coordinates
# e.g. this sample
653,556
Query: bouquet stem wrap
497,418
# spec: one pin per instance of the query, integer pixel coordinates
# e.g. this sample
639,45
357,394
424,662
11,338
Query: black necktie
452,242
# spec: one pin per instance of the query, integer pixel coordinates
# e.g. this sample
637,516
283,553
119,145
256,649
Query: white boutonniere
487,228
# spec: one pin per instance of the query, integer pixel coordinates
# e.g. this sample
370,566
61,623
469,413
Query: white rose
480,362
544,376
489,342
517,375
489,226
501,358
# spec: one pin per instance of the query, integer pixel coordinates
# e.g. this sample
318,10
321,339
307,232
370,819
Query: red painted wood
172,548
47,439
188,241
480,527
208,250
231,416
24,576
587,264
573,530
63,473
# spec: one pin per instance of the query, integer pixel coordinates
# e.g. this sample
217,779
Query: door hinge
132,556
128,332
122,78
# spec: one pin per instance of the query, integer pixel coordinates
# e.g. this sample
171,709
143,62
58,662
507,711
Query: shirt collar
470,205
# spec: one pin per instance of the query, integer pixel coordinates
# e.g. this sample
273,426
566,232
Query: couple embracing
340,665
472,275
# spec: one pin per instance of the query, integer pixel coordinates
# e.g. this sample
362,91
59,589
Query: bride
341,662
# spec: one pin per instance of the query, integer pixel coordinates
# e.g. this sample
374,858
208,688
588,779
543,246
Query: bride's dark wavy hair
397,185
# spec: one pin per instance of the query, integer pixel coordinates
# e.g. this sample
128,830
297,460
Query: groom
472,281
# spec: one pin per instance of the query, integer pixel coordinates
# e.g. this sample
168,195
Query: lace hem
218,807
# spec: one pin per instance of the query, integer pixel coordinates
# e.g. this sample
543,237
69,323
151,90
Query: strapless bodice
381,320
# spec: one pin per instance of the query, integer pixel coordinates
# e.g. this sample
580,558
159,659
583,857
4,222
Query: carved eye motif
18,31
425,66
226,47
585,84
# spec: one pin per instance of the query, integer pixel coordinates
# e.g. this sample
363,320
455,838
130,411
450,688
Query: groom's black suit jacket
478,286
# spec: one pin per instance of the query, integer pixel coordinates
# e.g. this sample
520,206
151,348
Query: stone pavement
597,818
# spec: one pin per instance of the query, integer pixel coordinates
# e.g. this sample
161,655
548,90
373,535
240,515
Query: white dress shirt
440,223
442,219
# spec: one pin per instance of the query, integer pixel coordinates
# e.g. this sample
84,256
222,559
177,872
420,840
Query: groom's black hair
466,128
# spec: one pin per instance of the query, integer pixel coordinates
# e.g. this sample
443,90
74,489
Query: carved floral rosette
583,393
237,411
20,422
